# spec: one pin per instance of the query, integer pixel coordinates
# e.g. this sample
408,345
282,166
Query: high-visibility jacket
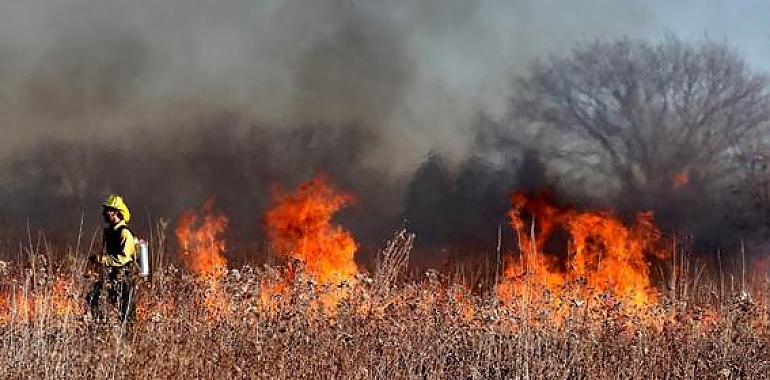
119,246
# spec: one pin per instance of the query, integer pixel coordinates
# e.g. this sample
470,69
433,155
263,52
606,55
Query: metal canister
143,258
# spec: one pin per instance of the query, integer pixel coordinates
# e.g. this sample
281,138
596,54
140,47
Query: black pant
119,287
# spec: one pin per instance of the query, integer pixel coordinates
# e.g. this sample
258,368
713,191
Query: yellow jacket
119,246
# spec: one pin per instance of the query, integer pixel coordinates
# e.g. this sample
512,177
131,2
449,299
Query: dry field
618,304
279,323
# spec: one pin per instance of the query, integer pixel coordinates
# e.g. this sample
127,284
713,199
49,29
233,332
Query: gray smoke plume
177,101
417,71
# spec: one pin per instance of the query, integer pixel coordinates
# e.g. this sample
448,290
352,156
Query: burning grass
389,326
300,226
604,256
596,311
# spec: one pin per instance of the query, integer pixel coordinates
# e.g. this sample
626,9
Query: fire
604,257
200,238
201,241
52,300
13,306
300,226
270,293
681,179
61,302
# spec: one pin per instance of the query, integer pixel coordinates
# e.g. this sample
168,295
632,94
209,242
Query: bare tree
646,118
751,194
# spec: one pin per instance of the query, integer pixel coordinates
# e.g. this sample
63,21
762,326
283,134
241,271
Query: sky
740,23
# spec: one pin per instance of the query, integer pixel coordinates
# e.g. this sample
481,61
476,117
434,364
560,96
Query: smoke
173,102
418,72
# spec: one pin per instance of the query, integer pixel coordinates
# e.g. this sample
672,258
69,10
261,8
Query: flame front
605,256
300,226
200,239
56,299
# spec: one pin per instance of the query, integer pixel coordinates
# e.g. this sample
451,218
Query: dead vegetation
272,322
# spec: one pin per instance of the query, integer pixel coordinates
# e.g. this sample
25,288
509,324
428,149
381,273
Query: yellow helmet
116,202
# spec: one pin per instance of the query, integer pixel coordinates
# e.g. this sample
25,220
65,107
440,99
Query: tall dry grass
255,324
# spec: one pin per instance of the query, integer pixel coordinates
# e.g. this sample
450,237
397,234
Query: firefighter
117,264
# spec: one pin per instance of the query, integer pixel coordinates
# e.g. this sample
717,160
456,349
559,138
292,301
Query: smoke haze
418,72
173,102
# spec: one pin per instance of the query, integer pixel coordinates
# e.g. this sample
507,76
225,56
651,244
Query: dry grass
253,324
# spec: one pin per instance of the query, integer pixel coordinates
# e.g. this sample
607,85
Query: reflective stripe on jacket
119,246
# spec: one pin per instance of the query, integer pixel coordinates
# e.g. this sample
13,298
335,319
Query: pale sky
744,24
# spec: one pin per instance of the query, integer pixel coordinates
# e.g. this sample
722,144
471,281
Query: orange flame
605,256
681,179
299,225
200,238
268,292
61,302
53,300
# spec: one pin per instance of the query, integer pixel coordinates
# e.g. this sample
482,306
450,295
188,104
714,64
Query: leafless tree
751,193
645,118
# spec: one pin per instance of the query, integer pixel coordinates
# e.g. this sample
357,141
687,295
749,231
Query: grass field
277,322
